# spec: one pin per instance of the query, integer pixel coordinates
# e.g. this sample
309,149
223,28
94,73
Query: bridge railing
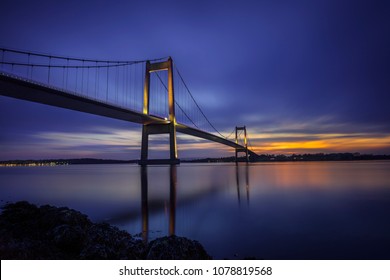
115,82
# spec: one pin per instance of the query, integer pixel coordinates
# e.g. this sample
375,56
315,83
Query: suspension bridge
152,93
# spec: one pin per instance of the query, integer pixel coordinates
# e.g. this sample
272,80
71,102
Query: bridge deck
19,88
26,90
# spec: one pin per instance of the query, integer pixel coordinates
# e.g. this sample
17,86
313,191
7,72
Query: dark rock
18,212
176,248
53,216
68,238
47,232
108,242
95,252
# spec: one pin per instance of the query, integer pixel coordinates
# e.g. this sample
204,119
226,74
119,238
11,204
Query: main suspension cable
79,59
158,76
201,111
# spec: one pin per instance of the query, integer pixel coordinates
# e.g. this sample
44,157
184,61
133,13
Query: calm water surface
320,210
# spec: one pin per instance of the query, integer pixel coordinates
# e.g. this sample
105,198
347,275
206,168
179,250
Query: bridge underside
208,136
26,90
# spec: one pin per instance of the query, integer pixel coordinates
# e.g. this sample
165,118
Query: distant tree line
298,157
32,162
259,158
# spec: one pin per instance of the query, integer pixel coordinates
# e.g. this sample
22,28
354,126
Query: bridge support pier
245,149
150,129
170,126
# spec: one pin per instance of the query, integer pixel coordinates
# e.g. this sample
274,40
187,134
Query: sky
302,76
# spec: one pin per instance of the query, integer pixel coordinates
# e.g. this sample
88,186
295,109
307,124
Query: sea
275,210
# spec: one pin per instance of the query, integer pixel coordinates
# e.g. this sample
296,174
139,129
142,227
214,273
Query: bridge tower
245,148
153,128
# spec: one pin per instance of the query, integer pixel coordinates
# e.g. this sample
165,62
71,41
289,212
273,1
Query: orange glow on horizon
299,143
319,144
325,143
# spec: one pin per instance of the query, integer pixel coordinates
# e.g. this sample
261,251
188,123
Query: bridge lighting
166,118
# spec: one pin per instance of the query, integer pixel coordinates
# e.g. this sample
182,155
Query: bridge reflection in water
145,205
246,170
239,173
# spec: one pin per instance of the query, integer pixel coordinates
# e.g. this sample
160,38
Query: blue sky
303,76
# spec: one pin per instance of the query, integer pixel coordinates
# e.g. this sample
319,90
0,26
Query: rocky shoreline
47,232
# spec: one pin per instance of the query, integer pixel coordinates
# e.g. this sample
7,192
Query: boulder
48,232
176,248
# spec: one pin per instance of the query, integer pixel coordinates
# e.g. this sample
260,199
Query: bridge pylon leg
154,128
150,129
245,149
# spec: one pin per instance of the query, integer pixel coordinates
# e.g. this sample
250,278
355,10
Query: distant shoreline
260,158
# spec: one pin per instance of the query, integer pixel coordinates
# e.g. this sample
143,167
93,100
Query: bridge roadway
16,87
